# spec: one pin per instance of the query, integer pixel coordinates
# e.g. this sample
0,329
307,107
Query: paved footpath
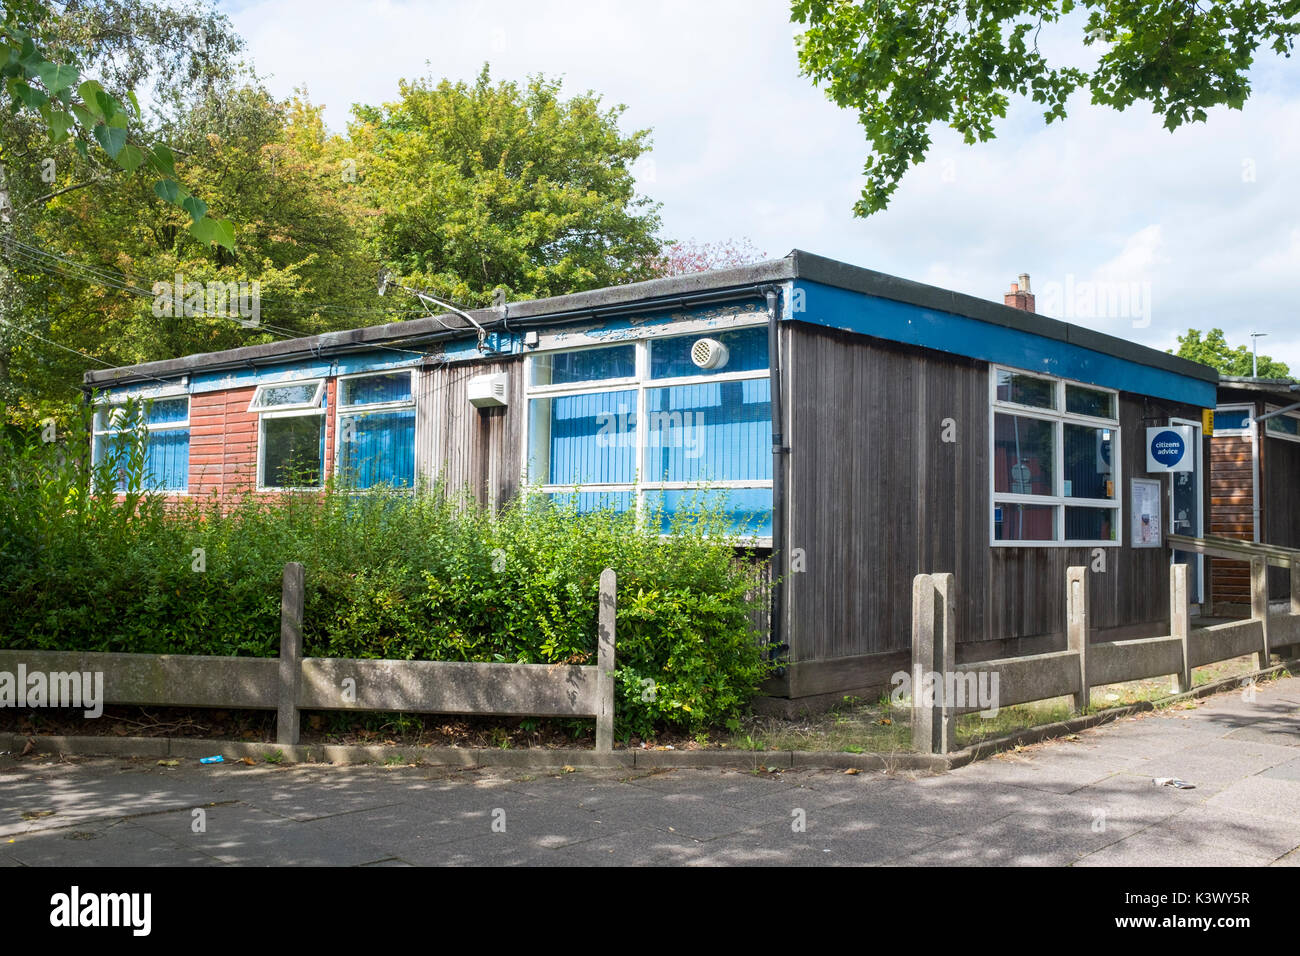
1085,802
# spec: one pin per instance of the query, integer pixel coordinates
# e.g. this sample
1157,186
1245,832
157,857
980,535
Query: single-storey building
861,427
1254,481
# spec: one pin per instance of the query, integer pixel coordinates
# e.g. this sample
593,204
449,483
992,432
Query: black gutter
342,343
779,564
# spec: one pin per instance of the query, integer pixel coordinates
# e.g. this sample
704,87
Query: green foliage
86,114
905,65
487,185
1212,349
391,576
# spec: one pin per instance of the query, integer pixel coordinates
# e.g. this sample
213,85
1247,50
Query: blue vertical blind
377,389
166,432
585,365
377,447
713,431
746,352
695,433
586,439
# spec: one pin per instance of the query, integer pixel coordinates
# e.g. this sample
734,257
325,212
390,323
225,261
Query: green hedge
434,577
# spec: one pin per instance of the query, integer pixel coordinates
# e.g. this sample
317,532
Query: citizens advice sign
1170,448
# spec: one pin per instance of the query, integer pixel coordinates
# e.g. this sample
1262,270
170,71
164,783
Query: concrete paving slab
1017,840
1284,771
1149,848
1263,796
247,836
639,846
1236,830
119,843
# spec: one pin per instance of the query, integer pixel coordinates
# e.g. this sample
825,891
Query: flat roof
1282,389
655,294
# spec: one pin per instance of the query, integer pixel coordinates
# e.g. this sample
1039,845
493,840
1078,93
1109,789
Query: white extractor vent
489,391
709,353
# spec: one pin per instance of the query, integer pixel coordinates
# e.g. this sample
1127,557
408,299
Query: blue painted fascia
610,331
962,335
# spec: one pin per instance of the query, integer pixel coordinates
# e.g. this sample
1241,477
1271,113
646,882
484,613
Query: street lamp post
1254,344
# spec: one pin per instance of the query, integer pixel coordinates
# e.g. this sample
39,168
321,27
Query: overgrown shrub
433,577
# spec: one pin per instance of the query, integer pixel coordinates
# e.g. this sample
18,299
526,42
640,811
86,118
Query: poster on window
1144,513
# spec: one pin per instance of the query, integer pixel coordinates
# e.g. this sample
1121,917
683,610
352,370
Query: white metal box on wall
489,391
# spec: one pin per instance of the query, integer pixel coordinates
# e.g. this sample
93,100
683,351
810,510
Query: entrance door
1186,509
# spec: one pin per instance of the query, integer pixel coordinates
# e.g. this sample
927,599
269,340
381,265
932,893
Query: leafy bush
433,577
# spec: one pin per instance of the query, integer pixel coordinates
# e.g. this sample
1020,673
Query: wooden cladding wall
1280,477
468,446
1232,499
876,497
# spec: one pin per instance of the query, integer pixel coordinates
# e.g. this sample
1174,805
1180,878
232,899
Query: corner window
376,429
291,435
1054,461
657,425
1286,425
164,424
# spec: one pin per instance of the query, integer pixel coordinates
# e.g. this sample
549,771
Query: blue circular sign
1168,448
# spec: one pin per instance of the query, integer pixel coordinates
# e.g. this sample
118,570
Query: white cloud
745,147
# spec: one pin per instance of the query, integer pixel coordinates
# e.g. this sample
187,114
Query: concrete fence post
944,720
290,673
1078,620
605,661
922,661
1259,607
1295,586
1180,624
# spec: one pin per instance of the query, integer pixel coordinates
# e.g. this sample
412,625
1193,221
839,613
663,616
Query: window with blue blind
377,430
639,426
163,425
1232,420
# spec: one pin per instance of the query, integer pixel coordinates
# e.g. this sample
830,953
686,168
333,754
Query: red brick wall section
1232,501
223,443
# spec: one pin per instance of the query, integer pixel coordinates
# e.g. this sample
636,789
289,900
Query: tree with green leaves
1212,349
88,243
479,186
906,65
43,63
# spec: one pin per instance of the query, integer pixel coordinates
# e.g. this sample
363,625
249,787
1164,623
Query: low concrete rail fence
292,683
942,690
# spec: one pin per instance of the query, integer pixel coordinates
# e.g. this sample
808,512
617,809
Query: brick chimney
1020,297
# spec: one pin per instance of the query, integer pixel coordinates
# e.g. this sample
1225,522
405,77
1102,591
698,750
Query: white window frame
296,410
342,411
1059,418
1237,432
1269,407
640,383
310,405
161,395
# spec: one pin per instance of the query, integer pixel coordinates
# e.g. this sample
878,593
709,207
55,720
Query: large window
1054,461
376,429
291,435
164,425
640,425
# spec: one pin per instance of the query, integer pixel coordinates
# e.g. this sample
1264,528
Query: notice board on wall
1144,513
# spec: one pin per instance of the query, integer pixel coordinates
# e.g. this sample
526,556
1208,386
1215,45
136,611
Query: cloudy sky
1122,226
